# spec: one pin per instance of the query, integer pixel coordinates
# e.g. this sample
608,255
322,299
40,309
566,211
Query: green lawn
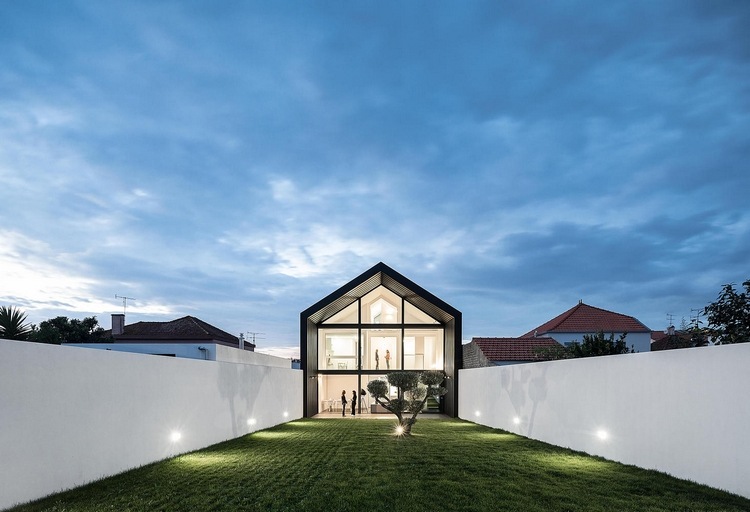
348,464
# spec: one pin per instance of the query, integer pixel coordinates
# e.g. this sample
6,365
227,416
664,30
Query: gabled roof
187,328
588,319
514,349
380,274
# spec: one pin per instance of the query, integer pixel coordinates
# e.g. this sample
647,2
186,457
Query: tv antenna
670,319
254,335
124,301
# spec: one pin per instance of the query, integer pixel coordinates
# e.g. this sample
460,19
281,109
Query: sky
238,161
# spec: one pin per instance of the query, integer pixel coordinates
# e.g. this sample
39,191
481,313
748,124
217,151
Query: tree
13,324
591,346
729,316
597,345
63,330
411,396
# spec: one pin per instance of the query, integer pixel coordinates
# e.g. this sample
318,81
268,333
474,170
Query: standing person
343,403
388,359
377,360
354,402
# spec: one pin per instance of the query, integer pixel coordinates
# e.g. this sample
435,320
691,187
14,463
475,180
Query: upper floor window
381,312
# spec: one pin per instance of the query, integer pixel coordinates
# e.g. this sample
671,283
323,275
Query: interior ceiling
370,284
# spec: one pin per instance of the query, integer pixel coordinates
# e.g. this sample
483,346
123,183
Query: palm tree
13,324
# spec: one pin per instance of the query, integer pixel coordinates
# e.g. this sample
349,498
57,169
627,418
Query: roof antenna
124,301
254,335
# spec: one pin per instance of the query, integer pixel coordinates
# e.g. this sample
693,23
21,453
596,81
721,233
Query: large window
339,349
380,349
381,306
423,349
390,347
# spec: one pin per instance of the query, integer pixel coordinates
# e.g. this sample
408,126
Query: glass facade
379,332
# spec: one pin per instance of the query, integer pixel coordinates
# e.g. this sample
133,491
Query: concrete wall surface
683,412
72,415
213,352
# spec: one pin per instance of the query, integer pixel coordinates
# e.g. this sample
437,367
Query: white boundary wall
683,412
73,415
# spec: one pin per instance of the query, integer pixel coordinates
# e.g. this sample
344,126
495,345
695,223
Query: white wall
72,415
213,352
684,412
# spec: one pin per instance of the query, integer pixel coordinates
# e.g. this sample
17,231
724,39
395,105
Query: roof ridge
549,326
198,322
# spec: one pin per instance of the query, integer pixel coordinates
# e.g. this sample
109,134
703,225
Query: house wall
684,412
213,352
473,357
641,341
72,415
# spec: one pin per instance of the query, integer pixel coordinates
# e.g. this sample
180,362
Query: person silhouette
388,359
377,360
343,403
354,402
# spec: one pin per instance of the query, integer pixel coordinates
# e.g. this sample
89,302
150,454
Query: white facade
684,412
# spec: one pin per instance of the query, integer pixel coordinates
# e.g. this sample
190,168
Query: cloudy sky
238,161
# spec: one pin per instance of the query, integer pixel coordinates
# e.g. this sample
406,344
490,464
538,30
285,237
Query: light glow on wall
175,436
251,421
477,413
602,434
286,414
516,420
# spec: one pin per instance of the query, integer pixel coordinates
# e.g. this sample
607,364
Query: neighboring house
378,323
583,319
187,337
482,352
673,339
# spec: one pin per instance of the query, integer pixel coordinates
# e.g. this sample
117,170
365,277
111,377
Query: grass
345,464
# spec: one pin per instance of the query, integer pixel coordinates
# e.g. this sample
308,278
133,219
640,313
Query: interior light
175,436
602,434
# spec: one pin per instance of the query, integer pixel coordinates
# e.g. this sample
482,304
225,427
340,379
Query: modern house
481,352
378,323
583,319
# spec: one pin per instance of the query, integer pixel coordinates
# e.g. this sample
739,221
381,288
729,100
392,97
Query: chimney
670,330
118,324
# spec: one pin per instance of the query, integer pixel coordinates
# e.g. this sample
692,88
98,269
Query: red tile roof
187,328
588,319
513,349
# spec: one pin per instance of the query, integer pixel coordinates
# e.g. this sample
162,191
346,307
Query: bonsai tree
411,397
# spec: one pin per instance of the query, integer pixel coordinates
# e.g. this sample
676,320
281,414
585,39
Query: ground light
399,430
